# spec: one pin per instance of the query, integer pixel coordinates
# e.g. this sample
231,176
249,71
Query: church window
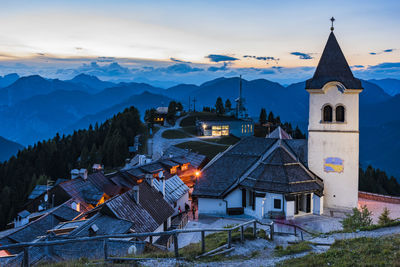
327,114
340,113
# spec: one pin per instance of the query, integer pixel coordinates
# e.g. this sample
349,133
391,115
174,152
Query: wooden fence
174,233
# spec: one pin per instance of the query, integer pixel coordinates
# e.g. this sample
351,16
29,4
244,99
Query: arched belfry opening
327,113
340,113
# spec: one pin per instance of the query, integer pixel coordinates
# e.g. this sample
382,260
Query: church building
278,176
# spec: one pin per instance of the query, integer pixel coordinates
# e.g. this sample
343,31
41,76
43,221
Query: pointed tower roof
279,133
333,67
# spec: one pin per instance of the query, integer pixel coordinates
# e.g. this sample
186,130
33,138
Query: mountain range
8,148
34,108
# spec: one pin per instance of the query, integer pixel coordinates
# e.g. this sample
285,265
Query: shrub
359,218
293,249
384,218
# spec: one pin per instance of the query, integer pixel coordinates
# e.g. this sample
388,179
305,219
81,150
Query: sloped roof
175,188
333,67
281,172
233,163
37,191
265,164
104,184
279,133
147,215
106,225
195,159
83,190
39,227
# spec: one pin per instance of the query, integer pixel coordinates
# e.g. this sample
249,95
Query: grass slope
354,252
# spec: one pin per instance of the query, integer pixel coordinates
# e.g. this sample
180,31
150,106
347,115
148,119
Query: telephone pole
194,104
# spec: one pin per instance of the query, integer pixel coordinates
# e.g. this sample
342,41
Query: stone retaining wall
378,197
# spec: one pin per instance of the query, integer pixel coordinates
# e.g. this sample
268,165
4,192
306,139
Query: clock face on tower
333,164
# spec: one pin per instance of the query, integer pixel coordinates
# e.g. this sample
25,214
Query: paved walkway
160,144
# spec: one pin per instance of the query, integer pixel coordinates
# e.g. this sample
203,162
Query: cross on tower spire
332,19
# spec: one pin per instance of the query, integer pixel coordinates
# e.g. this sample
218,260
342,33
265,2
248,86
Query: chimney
150,179
163,186
74,173
83,173
136,193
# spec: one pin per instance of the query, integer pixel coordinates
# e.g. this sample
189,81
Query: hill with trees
106,143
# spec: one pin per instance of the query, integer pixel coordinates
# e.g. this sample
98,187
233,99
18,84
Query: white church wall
289,209
335,140
258,211
318,206
340,188
234,199
269,202
211,206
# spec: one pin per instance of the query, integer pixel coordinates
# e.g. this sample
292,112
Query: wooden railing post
255,229
242,233
203,242
26,262
229,238
176,247
105,248
271,230
151,239
295,231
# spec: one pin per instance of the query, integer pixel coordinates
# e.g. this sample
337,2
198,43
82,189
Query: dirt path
265,250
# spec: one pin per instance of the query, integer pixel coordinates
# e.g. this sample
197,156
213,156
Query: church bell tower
333,132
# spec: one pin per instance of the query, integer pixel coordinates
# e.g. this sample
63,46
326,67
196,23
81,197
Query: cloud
224,67
178,60
220,58
262,58
383,51
180,68
358,66
106,59
302,55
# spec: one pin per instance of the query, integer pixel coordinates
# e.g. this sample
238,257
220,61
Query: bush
384,218
359,218
293,249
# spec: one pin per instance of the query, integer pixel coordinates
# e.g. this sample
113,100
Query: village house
279,176
85,193
160,115
225,126
39,223
175,192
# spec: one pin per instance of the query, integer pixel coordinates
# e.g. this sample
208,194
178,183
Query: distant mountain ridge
63,106
8,148
391,86
8,79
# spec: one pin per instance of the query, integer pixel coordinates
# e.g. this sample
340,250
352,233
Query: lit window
173,170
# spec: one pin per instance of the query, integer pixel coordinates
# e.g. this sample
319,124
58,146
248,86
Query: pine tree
219,106
263,116
384,217
228,105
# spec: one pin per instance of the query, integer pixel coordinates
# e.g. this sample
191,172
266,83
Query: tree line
52,159
377,181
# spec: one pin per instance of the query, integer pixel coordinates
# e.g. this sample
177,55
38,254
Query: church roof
333,67
279,133
265,164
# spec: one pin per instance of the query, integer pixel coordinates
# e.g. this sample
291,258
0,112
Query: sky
194,41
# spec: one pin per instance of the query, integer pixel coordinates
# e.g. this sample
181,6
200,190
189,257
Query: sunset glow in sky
253,34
